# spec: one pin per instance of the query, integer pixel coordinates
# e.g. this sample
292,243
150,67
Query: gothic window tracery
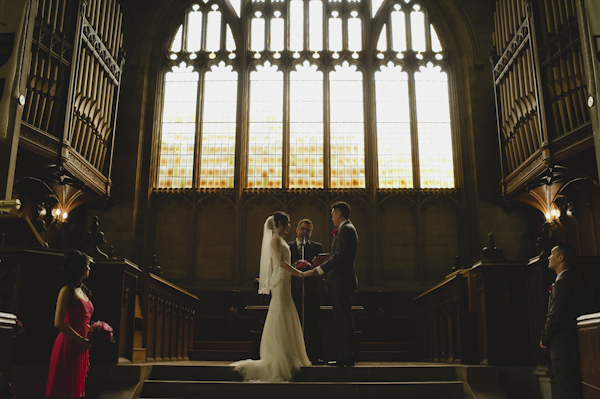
322,97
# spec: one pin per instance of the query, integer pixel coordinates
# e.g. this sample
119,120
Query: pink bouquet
303,265
101,332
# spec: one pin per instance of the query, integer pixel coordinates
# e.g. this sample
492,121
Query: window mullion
285,169
414,133
326,132
198,140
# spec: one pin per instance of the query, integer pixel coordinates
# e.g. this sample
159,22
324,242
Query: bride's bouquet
303,265
101,332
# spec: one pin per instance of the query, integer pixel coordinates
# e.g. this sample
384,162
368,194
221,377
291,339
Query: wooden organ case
539,73
69,118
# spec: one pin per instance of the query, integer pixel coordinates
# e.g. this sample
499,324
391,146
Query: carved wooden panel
73,87
214,241
540,87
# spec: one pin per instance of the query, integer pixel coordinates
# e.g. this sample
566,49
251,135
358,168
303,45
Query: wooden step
302,390
221,350
424,381
139,355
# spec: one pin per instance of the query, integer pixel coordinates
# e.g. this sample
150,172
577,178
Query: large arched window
306,94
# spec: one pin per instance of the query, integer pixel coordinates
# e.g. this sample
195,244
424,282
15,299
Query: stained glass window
347,127
296,90
218,127
265,133
394,146
435,136
306,127
429,135
178,128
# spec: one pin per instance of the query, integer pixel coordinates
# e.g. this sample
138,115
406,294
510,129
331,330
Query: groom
342,282
303,248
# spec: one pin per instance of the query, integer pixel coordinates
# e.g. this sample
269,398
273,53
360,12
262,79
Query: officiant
309,288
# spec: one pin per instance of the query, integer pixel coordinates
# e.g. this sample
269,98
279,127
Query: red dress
69,362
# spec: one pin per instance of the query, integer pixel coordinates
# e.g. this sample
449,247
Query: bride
282,350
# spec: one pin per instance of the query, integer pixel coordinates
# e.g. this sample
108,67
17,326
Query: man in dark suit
303,248
342,282
567,302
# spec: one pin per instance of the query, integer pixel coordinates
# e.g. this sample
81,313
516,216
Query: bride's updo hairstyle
280,217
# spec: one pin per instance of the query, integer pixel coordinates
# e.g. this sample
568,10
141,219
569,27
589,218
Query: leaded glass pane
394,153
347,127
398,31
194,31
218,127
257,42
436,46
354,32
176,160
277,34
230,45
265,135
296,25
375,6
213,30
315,25
382,41
435,137
237,5
176,45
417,30
335,32
306,127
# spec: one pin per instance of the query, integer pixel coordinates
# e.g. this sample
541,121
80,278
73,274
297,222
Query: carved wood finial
93,239
154,268
491,252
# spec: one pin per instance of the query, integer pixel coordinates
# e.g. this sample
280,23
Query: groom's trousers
341,300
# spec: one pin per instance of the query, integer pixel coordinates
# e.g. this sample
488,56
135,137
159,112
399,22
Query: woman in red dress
69,361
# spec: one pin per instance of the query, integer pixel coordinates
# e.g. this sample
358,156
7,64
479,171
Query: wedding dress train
282,350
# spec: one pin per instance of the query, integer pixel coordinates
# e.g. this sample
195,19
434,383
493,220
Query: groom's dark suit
312,300
342,282
567,302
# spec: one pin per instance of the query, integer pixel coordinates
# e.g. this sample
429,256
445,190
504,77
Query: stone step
302,390
359,373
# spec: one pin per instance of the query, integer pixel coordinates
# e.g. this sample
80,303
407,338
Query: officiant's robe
312,299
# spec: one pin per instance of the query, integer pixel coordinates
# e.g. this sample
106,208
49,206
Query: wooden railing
147,313
444,323
168,313
477,316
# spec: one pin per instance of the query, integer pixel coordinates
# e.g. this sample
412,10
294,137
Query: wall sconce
59,216
553,214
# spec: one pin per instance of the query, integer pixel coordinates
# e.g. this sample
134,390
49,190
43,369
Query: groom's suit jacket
567,302
339,268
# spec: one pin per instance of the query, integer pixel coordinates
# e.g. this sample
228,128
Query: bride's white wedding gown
282,350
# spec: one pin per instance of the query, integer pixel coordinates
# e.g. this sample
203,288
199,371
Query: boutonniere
334,231
549,289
